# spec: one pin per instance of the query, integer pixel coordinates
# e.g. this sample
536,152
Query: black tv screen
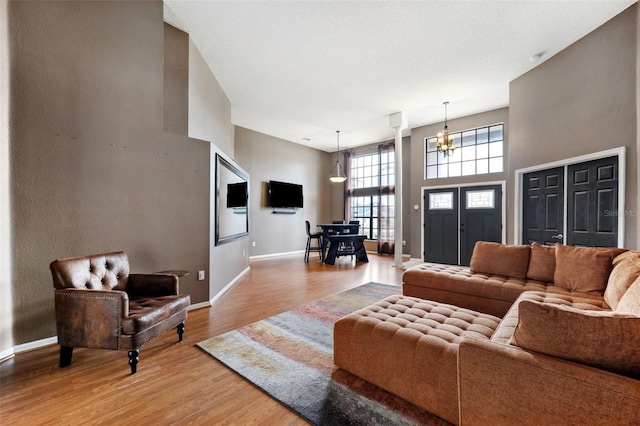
237,194
285,195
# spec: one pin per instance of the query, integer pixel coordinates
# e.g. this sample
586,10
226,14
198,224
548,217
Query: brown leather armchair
99,304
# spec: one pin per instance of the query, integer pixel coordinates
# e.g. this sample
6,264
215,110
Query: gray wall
91,168
582,100
209,107
269,158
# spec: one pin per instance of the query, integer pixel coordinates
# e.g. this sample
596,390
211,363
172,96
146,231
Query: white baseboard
199,305
6,354
262,256
226,288
35,344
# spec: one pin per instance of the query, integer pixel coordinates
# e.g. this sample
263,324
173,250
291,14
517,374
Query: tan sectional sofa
525,335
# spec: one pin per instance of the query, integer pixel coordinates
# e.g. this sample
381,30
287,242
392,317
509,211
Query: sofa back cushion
630,301
500,259
584,269
542,263
626,269
603,339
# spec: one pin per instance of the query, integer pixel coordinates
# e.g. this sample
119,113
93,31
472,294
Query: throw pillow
603,339
542,263
500,259
626,268
630,301
583,269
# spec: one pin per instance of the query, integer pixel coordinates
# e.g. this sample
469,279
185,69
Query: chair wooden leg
65,356
134,358
180,331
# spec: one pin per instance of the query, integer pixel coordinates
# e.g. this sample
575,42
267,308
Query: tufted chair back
109,271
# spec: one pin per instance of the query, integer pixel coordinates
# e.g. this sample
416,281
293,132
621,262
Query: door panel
592,189
543,206
441,226
480,218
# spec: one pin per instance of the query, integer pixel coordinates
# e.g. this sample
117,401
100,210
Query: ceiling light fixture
445,143
337,175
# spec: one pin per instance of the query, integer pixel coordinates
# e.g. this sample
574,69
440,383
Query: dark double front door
590,204
455,218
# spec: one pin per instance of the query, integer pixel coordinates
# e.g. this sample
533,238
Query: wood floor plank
176,382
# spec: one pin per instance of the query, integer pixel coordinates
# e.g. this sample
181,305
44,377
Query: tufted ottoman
409,347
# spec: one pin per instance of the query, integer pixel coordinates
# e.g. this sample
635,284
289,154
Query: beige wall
176,81
269,158
91,168
6,315
228,260
637,165
417,164
581,101
209,107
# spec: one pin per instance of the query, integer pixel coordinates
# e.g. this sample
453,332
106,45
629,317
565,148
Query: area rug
290,357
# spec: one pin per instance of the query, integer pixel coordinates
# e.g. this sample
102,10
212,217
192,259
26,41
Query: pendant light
445,143
337,175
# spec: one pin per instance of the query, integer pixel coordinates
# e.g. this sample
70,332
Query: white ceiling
304,69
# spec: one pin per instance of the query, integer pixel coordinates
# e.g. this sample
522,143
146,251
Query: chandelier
445,143
337,175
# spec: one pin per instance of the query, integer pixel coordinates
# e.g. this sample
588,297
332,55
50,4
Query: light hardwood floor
177,383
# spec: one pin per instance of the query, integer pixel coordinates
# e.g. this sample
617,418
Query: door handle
557,237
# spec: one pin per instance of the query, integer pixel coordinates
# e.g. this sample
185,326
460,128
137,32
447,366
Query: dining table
335,229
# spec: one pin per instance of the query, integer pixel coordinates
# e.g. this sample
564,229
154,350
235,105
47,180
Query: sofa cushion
603,339
583,301
147,312
626,268
500,259
630,302
542,263
583,269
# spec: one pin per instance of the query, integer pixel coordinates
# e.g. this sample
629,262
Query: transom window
479,151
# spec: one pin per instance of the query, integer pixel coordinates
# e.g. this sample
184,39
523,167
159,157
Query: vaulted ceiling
300,70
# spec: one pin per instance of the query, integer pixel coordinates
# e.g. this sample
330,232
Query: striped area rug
290,357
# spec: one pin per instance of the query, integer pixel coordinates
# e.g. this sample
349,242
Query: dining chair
312,236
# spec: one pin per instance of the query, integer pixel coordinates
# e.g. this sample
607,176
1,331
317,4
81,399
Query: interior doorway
455,217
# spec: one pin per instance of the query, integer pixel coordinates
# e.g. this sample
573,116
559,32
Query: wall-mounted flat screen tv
285,195
237,194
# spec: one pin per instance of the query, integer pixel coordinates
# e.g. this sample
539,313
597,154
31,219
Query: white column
398,122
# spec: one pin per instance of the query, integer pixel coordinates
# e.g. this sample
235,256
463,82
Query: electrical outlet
244,253
254,243
200,275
